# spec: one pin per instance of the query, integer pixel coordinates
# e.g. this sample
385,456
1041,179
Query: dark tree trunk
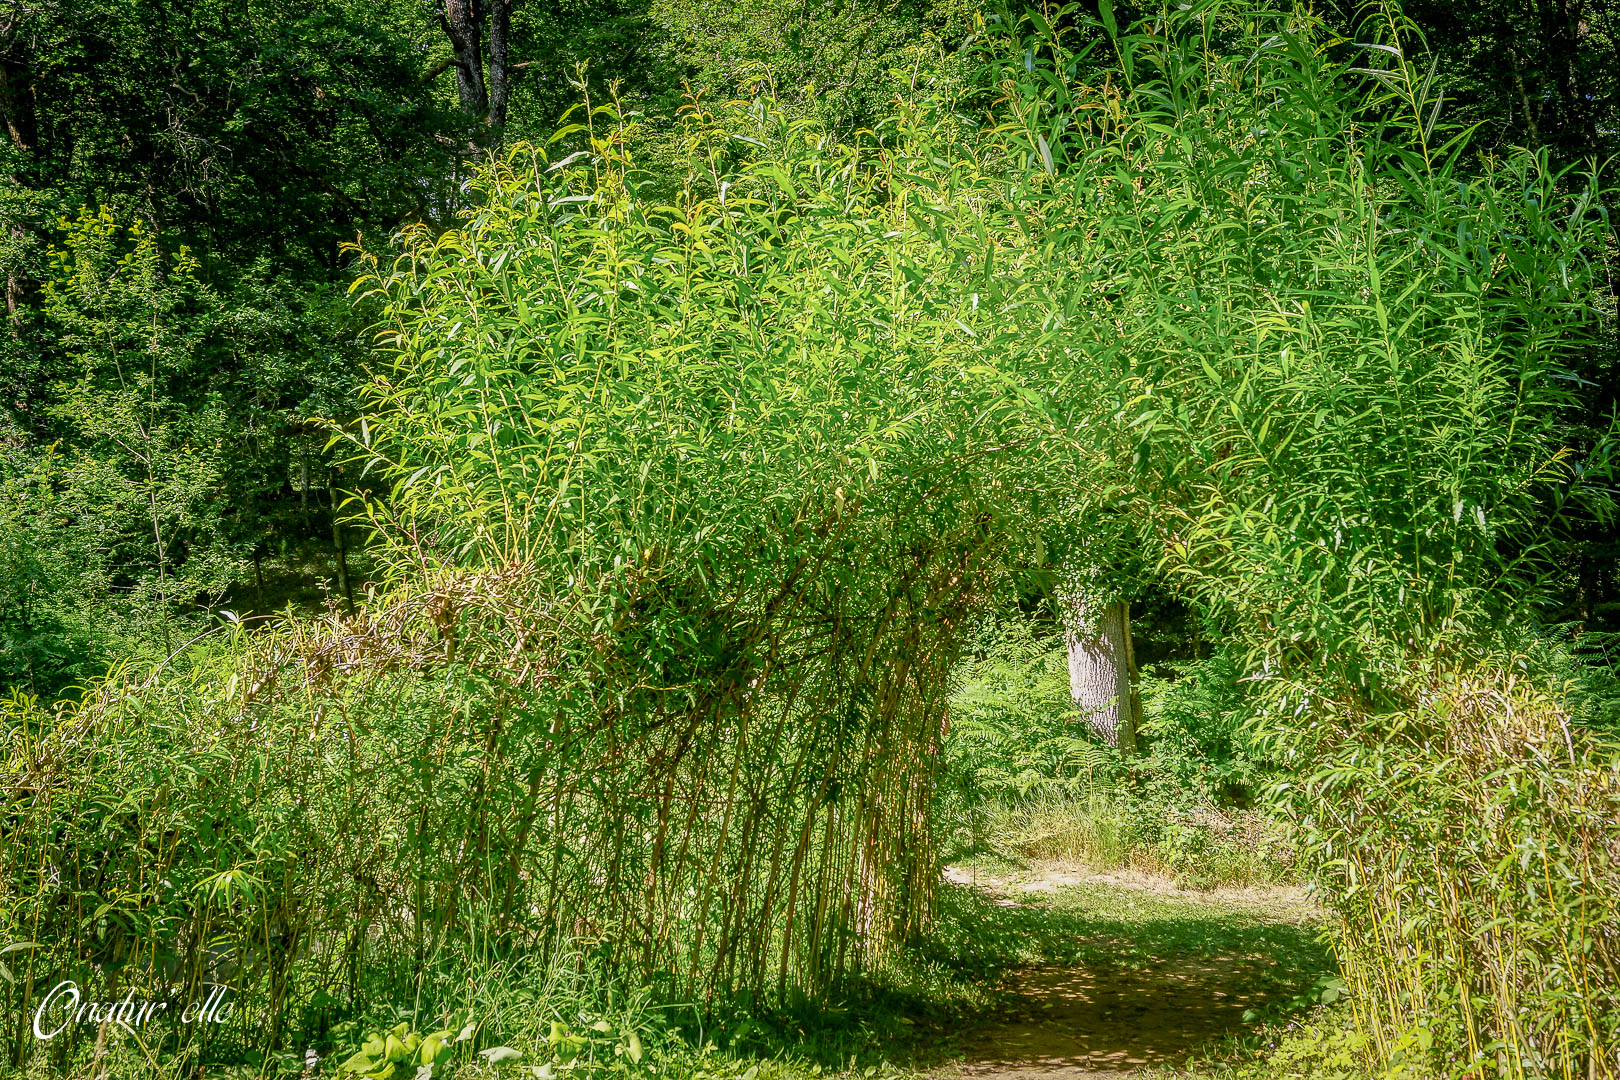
1532,128
500,25
16,102
342,549
461,21
17,108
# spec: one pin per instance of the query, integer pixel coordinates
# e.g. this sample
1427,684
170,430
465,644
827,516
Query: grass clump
1202,847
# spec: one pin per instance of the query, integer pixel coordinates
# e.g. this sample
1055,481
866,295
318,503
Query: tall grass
1084,828
1470,845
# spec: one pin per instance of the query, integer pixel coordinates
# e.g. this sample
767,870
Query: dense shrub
1469,846
1327,373
686,506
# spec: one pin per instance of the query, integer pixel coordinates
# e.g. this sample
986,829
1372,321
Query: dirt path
1123,1009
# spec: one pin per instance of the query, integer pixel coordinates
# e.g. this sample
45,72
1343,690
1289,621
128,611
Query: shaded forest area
164,450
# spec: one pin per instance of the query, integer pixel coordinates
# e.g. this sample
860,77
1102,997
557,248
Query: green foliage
568,304
1014,727
648,679
134,328
48,564
1344,356
1321,1045
277,129
174,183
381,1055
714,427
176,413
1529,76
1468,845
1025,778
111,538
1198,728
845,64
1340,359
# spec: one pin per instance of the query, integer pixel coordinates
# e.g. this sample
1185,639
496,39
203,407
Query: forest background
164,455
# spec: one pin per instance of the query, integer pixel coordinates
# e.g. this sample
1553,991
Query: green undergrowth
917,1012
1199,846
1027,781
1324,1043
572,1018
1320,1045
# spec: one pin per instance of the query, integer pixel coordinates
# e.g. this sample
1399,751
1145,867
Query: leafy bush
1014,727
1199,730
163,393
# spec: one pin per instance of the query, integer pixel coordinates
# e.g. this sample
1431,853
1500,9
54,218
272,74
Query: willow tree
740,450
685,501
1327,356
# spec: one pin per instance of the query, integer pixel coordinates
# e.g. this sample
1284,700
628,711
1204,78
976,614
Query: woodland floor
1122,974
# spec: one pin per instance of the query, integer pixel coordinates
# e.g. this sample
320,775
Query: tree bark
16,104
1101,675
342,550
17,110
500,25
1532,129
460,19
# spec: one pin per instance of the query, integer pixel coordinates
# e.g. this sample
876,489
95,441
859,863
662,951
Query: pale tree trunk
1101,671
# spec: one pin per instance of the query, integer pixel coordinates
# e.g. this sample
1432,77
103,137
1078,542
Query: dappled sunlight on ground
1120,974
1108,1021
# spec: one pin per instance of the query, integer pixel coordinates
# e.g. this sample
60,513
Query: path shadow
1103,979
1081,1021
